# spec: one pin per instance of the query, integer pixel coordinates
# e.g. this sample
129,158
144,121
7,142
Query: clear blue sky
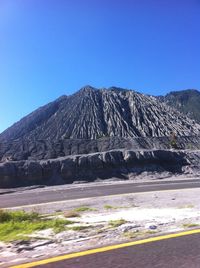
53,47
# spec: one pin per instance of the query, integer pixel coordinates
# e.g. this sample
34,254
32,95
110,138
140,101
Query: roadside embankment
122,164
100,221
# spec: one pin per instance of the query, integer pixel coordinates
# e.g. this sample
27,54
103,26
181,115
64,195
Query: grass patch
117,223
15,225
187,206
134,234
190,225
108,207
150,232
83,209
130,234
79,228
100,231
6,216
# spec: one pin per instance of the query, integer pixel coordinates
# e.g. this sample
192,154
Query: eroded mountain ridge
93,113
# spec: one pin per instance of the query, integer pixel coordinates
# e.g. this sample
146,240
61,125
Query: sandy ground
110,220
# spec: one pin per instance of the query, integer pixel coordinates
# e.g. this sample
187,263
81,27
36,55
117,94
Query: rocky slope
123,164
45,149
97,134
186,101
92,113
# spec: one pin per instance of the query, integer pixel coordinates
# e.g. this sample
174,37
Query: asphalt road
51,194
180,252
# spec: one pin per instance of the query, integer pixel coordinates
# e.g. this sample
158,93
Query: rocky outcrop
93,113
117,163
44,149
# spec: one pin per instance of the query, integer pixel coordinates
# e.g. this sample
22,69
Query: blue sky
53,47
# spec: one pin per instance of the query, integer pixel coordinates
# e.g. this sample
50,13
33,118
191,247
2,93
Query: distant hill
186,101
93,113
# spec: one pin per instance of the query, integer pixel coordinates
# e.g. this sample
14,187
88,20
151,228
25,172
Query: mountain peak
113,88
87,88
92,113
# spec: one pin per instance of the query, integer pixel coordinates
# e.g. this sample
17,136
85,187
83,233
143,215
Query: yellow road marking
104,249
88,198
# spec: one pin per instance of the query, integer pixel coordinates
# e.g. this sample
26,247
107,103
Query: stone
152,227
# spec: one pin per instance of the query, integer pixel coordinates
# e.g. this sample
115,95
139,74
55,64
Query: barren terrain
106,220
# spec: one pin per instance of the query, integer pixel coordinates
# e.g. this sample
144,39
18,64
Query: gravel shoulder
107,220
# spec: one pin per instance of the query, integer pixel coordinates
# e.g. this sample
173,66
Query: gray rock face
116,163
92,113
44,149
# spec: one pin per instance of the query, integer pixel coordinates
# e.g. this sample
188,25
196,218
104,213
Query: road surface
59,193
177,252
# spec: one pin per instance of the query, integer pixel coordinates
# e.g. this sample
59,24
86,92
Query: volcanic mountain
93,113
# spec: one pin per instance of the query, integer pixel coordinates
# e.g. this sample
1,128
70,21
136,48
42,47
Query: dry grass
187,206
83,209
135,234
109,207
79,227
117,223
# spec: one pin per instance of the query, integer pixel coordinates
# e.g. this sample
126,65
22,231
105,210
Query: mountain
186,101
93,113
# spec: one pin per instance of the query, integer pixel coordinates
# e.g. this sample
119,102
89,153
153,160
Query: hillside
186,101
93,113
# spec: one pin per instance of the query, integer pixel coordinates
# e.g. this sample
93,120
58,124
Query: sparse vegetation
187,206
6,216
16,225
102,135
109,207
99,136
116,223
100,231
190,225
134,234
130,234
191,147
79,228
150,232
83,209
173,141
